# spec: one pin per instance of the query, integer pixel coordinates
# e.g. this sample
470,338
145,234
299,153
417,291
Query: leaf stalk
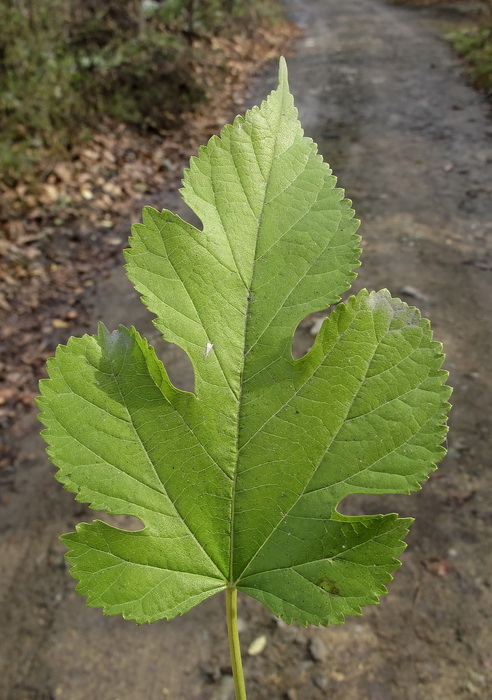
234,646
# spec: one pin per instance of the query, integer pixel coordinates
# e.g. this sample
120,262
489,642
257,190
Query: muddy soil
383,96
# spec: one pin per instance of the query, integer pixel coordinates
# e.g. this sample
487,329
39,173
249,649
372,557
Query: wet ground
383,96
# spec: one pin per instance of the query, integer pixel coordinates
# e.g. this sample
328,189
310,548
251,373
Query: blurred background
102,102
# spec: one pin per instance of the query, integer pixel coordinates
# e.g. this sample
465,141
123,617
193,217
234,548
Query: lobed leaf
239,483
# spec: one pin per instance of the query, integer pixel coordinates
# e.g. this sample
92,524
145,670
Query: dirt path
384,98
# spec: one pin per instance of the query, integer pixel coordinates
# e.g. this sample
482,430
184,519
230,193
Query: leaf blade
145,587
134,452
323,591
238,484
329,449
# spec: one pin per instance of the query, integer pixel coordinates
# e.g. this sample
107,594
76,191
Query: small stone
320,681
453,453
414,293
468,685
225,689
257,645
460,443
211,672
317,649
59,323
280,624
306,665
337,676
479,677
242,625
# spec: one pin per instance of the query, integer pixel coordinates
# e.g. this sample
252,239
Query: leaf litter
63,232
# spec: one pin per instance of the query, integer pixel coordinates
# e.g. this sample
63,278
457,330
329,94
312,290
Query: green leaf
238,484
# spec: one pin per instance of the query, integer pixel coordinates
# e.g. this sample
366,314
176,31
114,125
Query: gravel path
384,98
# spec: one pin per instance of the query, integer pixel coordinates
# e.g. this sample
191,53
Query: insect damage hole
177,364
130,523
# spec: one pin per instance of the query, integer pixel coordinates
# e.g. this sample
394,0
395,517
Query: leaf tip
102,331
283,74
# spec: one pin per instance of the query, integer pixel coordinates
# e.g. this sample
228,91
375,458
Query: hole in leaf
177,363
376,504
188,215
308,329
130,523
306,332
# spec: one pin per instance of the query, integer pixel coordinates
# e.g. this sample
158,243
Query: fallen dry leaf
52,228
439,567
